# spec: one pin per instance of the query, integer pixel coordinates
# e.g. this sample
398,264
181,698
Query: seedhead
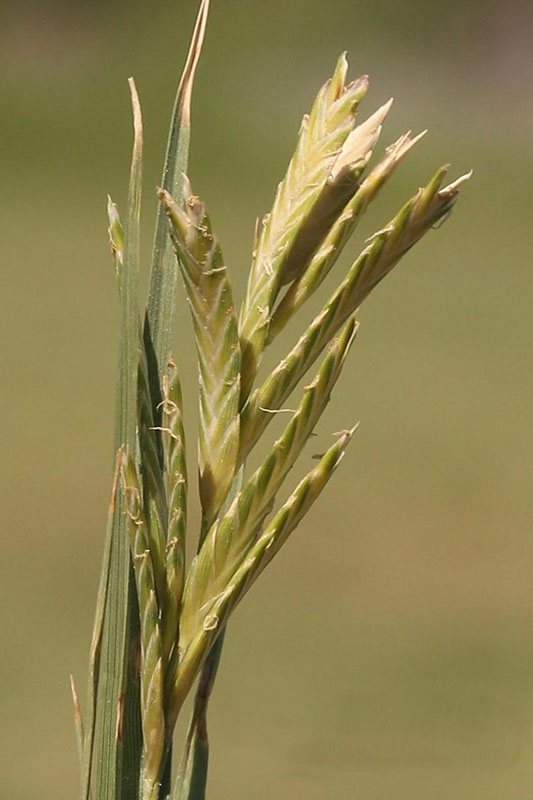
160,623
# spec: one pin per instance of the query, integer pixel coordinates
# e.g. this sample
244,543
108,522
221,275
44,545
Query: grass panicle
160,625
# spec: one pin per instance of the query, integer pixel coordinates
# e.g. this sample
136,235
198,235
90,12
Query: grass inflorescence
160,623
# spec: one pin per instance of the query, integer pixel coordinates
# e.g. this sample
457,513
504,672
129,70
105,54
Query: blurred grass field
388,653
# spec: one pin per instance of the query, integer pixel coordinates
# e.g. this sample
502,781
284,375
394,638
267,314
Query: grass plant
160,621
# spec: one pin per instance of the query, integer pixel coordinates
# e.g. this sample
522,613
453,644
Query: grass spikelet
338,189
116,237
215,326
78,721
175,476
151,672
322,136
339,235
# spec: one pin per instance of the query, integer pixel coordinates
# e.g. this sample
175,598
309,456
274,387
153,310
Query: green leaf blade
112,749
159,320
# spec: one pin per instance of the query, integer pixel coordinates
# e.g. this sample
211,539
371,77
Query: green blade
159,320
112,744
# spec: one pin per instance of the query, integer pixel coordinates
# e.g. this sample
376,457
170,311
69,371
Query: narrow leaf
159,321
114,755
96,643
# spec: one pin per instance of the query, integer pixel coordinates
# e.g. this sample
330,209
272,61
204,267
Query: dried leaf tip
137,116
189,71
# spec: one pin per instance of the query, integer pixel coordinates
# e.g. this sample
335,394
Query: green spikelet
175,475
298,204
116,237
340,186
155,498
151,672
325,258
420,214
215,326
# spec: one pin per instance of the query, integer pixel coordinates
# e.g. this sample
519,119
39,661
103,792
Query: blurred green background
388,654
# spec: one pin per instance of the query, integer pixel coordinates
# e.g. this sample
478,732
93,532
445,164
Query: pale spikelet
420,214
296,208
151,672
293,511
78,720
325,258
215,325
175,476
116,237
339,188
230,538
154,494
247,570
